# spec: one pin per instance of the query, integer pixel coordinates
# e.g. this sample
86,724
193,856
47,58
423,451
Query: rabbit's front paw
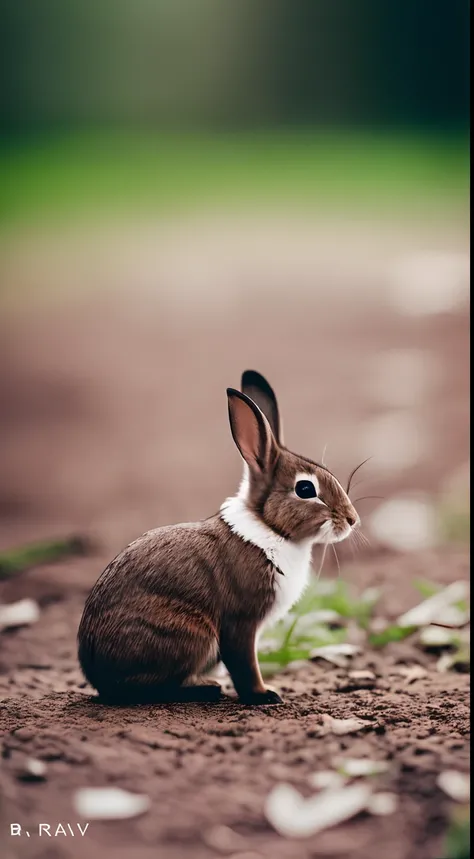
269,696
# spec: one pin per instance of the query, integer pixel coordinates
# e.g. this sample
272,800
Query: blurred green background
156,103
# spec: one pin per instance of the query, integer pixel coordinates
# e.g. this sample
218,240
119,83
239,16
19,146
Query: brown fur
183,596
169,604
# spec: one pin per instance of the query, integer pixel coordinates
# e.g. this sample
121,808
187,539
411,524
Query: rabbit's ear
251,432
255,386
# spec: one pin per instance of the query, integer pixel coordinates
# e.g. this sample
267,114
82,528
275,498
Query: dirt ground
114,421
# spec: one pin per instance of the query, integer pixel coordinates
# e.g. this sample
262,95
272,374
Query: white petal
382,803
456,785
357,767
294,817
109,803
339,727
21,613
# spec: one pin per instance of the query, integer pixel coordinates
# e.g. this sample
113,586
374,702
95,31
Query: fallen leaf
456,785
339,727
357,767
109,803
295,817
361,675
436,607
453,617
35,767
382,803
327,779
21,613
316,618
412,673
436,636
338,654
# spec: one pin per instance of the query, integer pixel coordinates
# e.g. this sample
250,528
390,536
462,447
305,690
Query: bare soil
114,422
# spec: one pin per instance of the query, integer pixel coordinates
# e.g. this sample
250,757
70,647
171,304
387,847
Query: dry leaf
35,767
316,618
361,675
437,607
412,673
357,767
338,654
436,636
295,817
327,779
382,803
339,727
456,785
109,803
21,613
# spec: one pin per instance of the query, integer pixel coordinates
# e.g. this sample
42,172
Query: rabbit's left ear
252,433
255,386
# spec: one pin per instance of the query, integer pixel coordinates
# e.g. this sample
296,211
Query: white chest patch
293,559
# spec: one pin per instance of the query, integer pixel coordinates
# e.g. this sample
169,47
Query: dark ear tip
251,378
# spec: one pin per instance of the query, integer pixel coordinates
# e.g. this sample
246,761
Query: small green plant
319,619
389,634
326,611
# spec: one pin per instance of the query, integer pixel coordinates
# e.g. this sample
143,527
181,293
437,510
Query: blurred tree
175,63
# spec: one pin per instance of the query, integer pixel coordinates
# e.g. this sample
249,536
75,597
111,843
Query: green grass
102,173
26,557
319,619
323,616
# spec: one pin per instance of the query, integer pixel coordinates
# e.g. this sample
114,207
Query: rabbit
181,598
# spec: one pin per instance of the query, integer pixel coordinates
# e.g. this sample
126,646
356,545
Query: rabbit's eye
305,489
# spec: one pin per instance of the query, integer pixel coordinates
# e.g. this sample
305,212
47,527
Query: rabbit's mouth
335,532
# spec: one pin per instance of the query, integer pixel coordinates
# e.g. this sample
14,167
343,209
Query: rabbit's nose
352,519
